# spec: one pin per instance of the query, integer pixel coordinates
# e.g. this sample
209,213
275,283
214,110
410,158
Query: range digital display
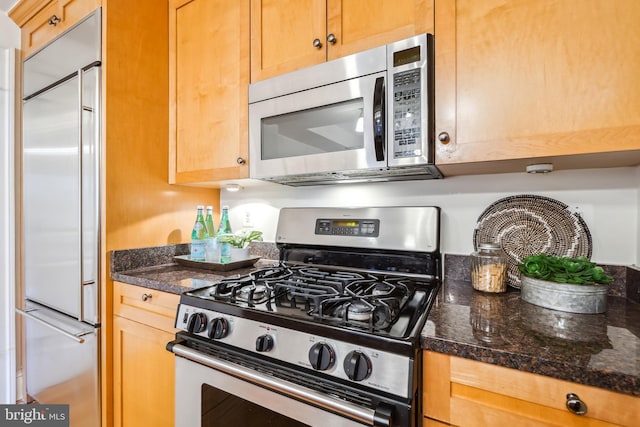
346,223
348,227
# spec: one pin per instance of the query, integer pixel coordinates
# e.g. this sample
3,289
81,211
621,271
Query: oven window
327,129
220,408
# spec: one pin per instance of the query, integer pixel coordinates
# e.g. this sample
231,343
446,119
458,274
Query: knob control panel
197,322
357,366
264,343
218,328
321,356
350,361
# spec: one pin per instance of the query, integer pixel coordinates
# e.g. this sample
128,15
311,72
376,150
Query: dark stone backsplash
626,281
132,259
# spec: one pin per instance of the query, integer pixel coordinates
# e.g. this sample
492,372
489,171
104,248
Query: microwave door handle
379,119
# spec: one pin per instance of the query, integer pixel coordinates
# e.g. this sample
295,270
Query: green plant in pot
568,284
240,242
575,271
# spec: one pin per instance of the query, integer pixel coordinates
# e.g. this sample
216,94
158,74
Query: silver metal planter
588,299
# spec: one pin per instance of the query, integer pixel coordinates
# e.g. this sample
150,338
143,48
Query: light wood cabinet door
537,79
143,370
464,392
53,19
364,24
283,32
208,90
143,375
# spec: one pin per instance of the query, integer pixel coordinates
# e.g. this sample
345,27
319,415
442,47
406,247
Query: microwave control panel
407,114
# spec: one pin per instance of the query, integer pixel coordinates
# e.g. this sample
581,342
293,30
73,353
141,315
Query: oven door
215,392
337,127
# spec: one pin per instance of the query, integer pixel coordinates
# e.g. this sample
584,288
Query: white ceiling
5,5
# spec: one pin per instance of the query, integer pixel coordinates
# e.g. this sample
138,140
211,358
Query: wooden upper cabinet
287,35
282,35
537,79
51,19
208,90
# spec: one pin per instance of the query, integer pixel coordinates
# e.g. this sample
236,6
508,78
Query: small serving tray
216,266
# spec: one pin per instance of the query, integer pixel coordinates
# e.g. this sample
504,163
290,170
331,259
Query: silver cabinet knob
240,161
331,38
575,405
53,20
444,138
146,297
317,43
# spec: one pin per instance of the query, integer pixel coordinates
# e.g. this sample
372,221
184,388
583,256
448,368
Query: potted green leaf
240,242
574,285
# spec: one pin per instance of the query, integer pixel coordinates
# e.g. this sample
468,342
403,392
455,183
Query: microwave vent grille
423,172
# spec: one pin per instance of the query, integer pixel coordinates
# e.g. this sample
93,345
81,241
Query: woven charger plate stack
529,225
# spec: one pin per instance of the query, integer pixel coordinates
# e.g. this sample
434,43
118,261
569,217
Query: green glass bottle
199,237
212,253
224,236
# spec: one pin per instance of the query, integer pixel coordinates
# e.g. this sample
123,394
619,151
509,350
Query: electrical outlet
246,221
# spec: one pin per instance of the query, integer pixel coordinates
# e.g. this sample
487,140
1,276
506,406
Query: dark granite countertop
155,268
601,350
175,278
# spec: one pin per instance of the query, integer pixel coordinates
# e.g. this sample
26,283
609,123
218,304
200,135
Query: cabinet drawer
537,397
144,305
43,27
464,392
37,31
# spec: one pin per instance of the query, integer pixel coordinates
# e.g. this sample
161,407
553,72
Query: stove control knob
197,323
218,328
357,366
264,343
321,356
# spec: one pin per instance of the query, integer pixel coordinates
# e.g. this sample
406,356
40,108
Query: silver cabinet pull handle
331,39
317,43
444,138
53,20
575,405
76,338
146,297
240,161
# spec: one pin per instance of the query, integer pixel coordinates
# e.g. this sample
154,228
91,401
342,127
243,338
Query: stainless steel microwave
364,117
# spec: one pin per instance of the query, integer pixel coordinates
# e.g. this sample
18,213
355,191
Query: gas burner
360,311
380,289
253,292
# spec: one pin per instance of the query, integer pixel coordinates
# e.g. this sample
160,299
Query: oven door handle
382,417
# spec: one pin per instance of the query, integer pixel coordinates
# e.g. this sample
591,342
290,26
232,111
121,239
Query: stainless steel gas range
328,337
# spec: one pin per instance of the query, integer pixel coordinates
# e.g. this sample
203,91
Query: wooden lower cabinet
143,370
464,392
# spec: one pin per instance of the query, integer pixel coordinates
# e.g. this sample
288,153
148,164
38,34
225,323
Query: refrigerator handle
80,234
77,338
